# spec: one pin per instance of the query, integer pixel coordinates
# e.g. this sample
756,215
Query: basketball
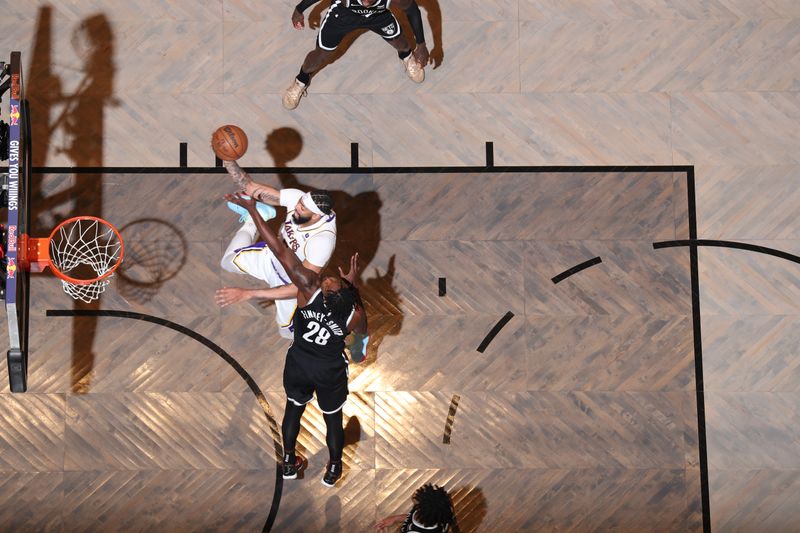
229,142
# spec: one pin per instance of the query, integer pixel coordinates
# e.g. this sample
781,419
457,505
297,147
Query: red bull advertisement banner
14,159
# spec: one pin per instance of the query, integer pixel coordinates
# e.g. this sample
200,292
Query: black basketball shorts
303,376
339,21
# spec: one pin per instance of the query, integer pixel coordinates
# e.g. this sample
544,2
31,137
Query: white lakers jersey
314,243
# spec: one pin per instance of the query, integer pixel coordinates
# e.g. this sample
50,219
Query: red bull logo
14,115
12,238
11,269
15,86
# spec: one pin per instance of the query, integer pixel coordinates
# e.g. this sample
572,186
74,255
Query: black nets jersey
317,333
412,526
355,7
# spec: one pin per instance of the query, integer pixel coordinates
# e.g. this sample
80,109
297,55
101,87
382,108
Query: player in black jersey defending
328,308
345,16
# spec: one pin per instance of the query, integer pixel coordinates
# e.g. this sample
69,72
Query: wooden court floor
579,414
114,434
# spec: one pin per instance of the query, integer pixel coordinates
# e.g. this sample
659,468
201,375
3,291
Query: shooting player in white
309,230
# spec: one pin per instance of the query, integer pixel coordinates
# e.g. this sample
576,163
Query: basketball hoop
82,251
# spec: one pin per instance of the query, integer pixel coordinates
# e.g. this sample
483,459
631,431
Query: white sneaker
291,98
414,69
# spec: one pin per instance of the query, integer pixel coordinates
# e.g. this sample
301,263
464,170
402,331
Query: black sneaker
290,470
332,473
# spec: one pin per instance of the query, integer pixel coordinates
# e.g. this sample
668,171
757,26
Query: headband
308,201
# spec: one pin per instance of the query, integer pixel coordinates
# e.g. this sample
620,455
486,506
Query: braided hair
340,303
433,506
323,200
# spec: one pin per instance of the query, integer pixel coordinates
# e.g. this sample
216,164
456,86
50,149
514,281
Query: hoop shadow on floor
155,252
79,126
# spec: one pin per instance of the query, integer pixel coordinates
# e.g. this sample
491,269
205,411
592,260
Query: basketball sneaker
414,69
291,98
290,469
332,473
266,211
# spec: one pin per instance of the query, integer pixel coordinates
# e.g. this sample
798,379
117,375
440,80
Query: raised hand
248,203
352,274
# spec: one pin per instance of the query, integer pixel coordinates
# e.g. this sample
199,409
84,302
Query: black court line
702,443
442,286
693,243
276,439
577,268
451,416
353,155
495,330
360,170
183,156
489,154
729,244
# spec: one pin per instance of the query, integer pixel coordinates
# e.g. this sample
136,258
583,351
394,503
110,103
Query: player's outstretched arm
357,324
304,279
297,14
389,521
259,191
233,295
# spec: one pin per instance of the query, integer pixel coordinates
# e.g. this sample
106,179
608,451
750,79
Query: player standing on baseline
328,309
309,230
346,16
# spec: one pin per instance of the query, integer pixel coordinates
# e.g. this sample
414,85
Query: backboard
16,198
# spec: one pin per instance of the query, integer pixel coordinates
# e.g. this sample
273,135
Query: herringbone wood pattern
712,84
589,385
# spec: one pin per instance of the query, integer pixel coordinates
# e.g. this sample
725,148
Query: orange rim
76,281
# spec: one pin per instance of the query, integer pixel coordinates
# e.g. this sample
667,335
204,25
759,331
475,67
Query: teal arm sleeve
358,348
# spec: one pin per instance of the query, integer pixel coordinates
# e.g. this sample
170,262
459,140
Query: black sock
334,436
405,54
304,77
291,427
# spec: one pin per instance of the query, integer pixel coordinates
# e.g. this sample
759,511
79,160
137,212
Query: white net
85,249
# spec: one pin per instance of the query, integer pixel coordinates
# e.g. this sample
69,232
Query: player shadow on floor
470,507
78,126
333,513
432,11
358,230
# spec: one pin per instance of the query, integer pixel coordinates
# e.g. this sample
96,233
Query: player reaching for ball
328,309
309,230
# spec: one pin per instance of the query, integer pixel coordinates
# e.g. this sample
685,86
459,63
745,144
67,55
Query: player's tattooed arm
264,193
239,176
259,191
